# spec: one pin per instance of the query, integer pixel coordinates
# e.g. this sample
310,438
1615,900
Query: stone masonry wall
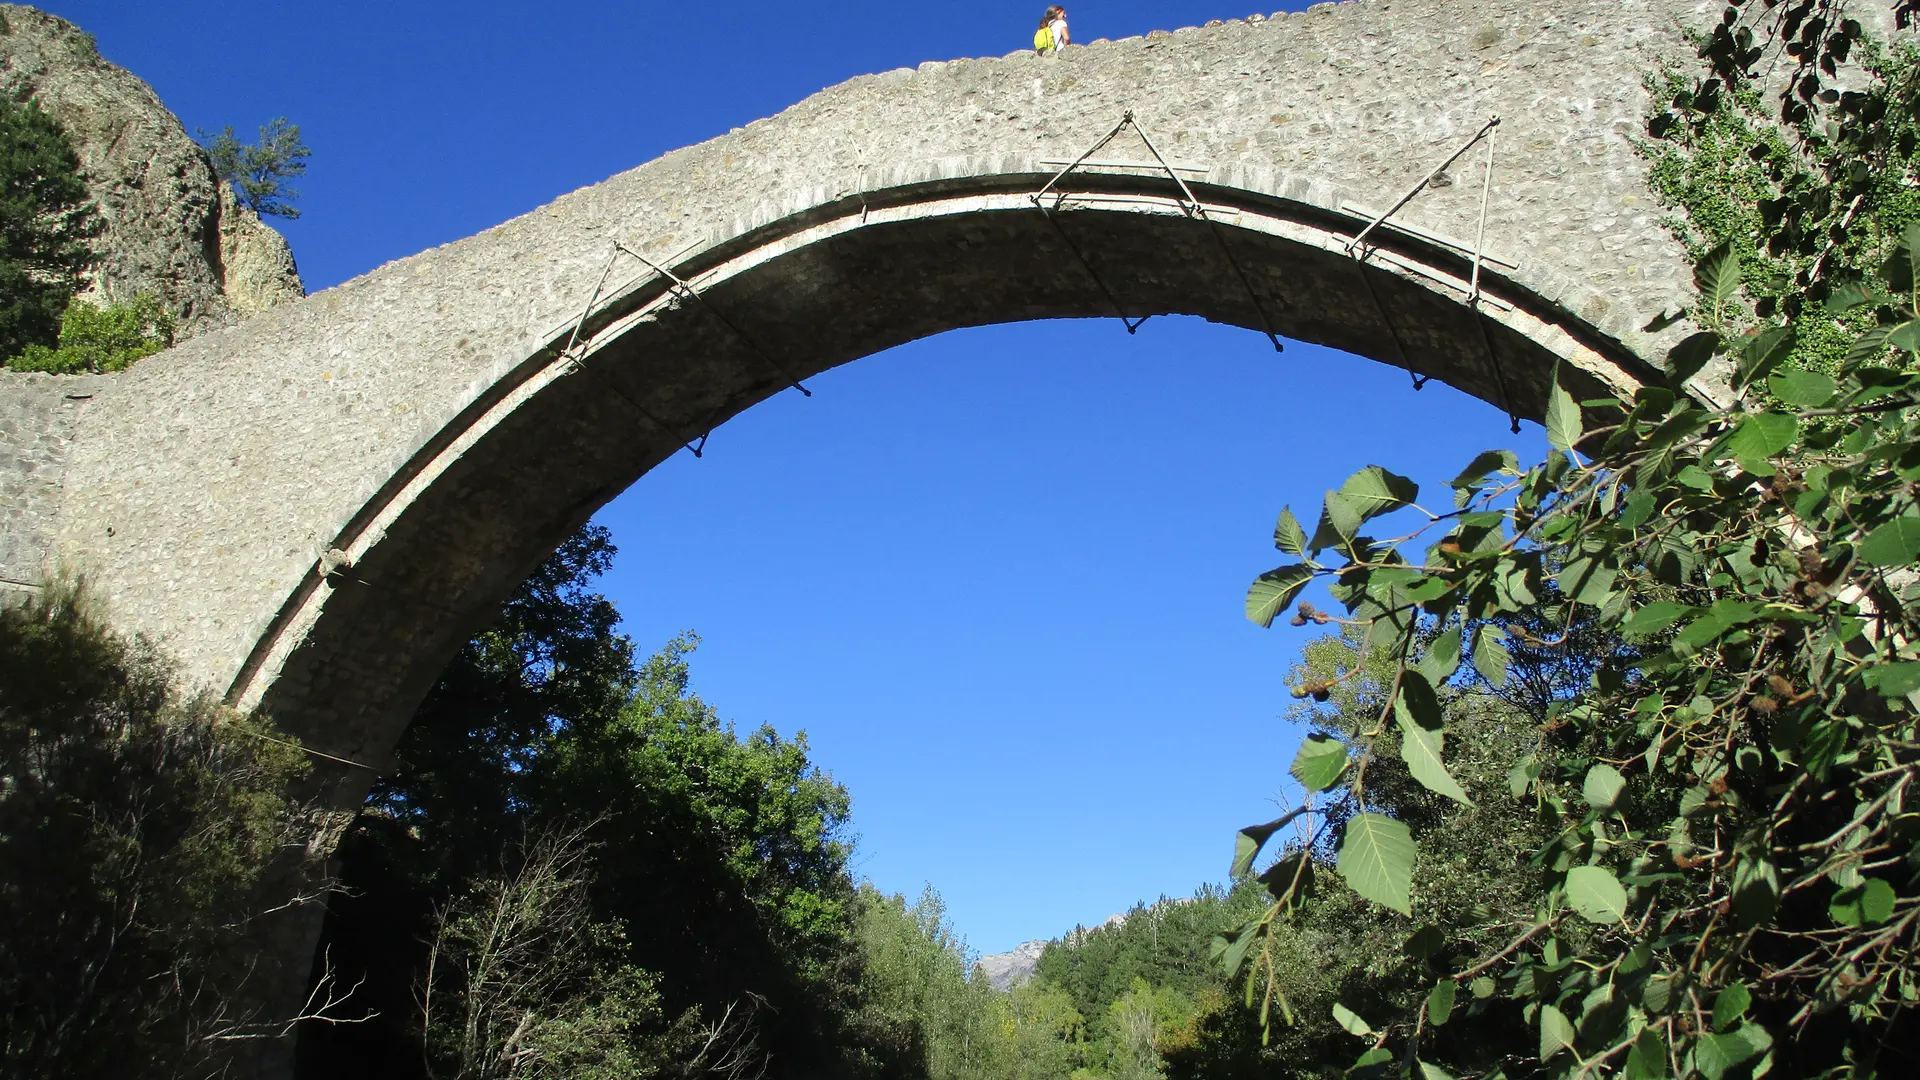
254,446
38,416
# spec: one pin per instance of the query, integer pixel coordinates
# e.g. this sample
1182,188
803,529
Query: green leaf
1717,1055
1321,762
1871,345
1440,1001
1340,521
1640,507
1718,279
1596,894
1893,680
1422,750
1483,987
1288,536
1901,264
1485,464
1556,1034
1852,295
1588,580
1656,617
1290,880
1807,389
1563,419
1232,951
1905,336
1350,1020
1895,543
1521,777
1417,697
1430,1071
1426,942
1490,654
1756,892
1868,904
1685,360
1273,592
1376,859
1730,1005
1374,491
1761,352
1365,1063
1247,844
1759,437
1648,1058
1603,787
1442,658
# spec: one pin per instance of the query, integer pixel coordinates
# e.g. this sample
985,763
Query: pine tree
46,224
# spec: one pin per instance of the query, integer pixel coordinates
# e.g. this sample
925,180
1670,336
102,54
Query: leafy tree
259,170
1726,880
726,850
1049,1034
47,223
136,827
523,981
1163,944
917,994
97,338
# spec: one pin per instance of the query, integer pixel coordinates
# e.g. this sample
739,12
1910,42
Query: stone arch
314,508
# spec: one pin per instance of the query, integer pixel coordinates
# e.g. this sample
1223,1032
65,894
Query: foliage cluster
47,225
102,338
137,830
259,170
1105,1004
1723,846
523,981
711,867
919,1001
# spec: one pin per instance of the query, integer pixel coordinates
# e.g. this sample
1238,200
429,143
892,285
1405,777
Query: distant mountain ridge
1007,970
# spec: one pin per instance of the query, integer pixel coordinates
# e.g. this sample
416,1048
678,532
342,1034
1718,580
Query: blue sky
996,575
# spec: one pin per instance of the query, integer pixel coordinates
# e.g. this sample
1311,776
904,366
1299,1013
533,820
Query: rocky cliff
1006,970
171,227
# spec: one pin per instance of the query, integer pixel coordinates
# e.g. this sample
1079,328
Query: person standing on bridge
1052,35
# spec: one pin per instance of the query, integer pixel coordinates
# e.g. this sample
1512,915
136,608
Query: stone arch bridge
313,509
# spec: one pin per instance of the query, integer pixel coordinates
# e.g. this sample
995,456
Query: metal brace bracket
574,352
695,295
1189,204
1361,252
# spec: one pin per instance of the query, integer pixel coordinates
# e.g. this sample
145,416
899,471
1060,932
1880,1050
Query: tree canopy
259,170
1721,860
47,225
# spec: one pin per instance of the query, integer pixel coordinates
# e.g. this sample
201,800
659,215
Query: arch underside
434,554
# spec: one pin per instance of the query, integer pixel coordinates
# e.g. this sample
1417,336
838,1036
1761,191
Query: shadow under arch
652,366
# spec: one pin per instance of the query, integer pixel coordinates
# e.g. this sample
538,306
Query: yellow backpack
1043,39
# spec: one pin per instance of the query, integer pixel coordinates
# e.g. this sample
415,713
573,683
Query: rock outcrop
171,227
1007,970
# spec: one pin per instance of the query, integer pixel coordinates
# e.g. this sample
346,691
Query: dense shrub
47,223
101,338
137,827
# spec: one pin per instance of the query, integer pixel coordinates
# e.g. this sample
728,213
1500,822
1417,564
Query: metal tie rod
1485,130
715,312
1039,202
1195,209
1473,299
577,363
